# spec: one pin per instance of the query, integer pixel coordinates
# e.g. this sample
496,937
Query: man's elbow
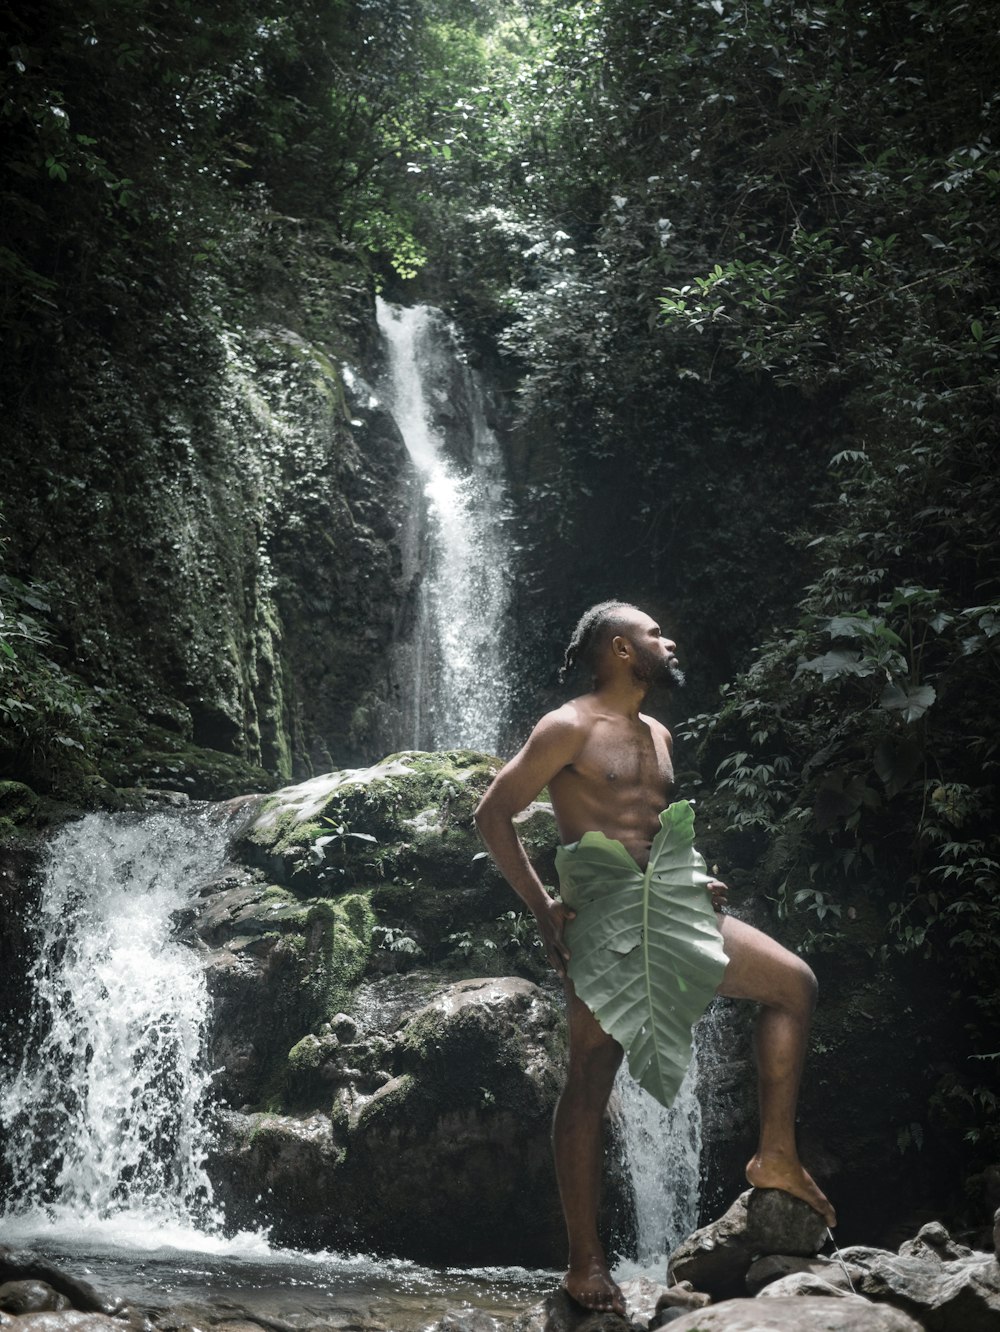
481,813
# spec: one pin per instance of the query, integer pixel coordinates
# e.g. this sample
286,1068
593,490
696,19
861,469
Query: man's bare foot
778,1172
590,1284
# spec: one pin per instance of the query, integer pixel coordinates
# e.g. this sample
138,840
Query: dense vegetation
737,264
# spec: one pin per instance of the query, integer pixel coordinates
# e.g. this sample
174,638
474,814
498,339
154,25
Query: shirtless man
608,767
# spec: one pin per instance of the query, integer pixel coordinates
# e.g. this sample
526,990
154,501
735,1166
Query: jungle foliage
741,262
747,259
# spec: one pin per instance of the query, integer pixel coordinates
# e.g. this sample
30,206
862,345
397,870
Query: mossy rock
407,817
203,774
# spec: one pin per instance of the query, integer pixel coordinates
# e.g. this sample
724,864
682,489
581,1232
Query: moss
306,1055
205,774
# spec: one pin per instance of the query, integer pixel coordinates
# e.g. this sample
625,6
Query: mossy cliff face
219,551
389,1032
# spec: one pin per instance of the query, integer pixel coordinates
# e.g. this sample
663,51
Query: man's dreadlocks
595,627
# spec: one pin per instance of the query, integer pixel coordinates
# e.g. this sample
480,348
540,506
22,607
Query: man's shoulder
657,727
574,715
569,724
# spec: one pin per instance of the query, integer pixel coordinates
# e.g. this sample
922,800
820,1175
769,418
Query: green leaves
909,701
646,952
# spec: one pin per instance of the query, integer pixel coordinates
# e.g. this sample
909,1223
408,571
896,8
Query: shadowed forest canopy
735,266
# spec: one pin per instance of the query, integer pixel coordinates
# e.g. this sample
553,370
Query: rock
21,1297
996,1234
558,1313
467,1118
282,1170
642,1298
716,1257
682,1296
466,1320
804,1283
344,1028
22,1264
777,1222
66,1320
960,1294
775,1266
933,1241
848,1314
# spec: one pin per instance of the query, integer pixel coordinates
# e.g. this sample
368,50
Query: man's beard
654,670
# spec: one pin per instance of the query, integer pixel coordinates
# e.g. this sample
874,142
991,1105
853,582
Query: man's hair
595,627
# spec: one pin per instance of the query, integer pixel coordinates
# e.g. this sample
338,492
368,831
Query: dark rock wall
219,536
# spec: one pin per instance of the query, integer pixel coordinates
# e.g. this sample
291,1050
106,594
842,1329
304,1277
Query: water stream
105,1107
453,681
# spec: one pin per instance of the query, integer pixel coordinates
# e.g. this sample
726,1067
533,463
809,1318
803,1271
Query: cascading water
663,1153
451,674
105,1112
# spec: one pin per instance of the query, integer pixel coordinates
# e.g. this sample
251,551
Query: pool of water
207,1279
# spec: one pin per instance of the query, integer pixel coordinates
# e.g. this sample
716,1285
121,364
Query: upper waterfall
451,671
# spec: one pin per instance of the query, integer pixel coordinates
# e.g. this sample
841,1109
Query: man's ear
621,647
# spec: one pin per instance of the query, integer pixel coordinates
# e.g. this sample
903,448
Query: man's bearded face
651,668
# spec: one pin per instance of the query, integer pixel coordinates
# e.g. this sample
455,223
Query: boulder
558,1313
682,1295
466,1320
850,1313
22,1297
18,1265
777,1222
776,1266
64,1320
435,1139
947,1294
451,1161
804,1283
717,1257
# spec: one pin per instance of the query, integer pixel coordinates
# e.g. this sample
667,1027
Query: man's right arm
554,743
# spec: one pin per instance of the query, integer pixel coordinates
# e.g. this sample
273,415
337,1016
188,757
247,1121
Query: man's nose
670,645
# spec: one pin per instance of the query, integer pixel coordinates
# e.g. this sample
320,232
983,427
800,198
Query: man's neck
621,696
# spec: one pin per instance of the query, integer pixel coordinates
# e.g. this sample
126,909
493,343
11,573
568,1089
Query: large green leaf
647,954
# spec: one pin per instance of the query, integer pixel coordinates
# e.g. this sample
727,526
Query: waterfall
451,671
104,1107
662,1151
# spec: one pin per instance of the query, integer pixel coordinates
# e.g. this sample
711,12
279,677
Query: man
608,768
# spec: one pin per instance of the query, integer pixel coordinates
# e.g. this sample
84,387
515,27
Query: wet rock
466,1320
775,1266
715,1258
933,1241
777,1222
558,1313
21,1297
65,1320
848,1314
23,1265
947,1294
642,1297
344,1028
282,1169
805,1283
467,1118
682,1295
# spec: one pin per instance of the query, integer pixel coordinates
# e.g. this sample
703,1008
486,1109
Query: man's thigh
760,968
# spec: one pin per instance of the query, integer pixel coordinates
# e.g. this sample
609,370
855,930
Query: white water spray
663,1155
452,673
105,1114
